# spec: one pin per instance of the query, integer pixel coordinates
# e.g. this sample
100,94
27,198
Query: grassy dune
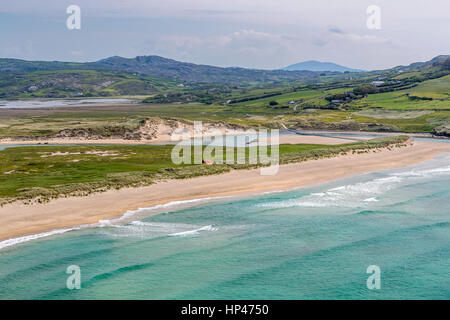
46,172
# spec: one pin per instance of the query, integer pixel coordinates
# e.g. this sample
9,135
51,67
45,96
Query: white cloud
257,49
251,33
353,37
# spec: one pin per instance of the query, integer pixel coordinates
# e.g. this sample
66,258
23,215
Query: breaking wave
116,223
359,194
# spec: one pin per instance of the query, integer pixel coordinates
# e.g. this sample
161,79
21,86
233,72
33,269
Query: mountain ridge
143,75
163,68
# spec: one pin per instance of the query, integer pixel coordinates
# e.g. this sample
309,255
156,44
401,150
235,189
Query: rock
442,131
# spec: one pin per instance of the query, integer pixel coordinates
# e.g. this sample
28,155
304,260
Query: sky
263,34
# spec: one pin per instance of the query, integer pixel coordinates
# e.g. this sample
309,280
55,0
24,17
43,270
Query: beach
269,151
18,219
166,138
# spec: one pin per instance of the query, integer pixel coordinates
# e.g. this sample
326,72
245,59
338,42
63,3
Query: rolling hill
162,68
194,73
148,75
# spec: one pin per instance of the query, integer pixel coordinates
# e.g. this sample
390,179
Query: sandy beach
284,139
18,219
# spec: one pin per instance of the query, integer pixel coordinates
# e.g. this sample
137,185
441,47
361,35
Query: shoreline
284,139
18,219
165,137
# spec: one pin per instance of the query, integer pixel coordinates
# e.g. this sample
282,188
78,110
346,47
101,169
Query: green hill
148,75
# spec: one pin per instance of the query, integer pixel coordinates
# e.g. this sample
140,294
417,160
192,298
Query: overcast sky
265,34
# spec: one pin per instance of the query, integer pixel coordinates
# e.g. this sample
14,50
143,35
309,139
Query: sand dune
165,138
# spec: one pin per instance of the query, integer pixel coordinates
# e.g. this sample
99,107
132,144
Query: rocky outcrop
442,131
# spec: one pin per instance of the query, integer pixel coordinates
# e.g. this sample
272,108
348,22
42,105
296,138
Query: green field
436,89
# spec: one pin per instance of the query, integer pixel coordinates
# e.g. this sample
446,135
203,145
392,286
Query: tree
365,89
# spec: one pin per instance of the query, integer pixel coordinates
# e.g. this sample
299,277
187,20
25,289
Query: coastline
284,139
18,219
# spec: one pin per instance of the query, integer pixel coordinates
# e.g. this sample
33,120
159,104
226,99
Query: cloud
335,30
368,38
77,53
250,33
21,50
259,49
245,47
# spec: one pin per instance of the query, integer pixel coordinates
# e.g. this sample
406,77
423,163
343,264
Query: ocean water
48,103
313,243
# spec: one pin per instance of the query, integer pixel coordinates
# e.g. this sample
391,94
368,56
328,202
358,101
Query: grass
46,172
436,89
398,100
394,111
108,120
73,83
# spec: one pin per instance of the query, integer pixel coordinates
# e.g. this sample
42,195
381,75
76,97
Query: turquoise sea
313,243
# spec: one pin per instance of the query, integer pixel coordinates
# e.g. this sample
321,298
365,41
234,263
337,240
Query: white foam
131,213
106,223
360,194
15,241
158,229
163,227
425,173
274,191
351,195
193,232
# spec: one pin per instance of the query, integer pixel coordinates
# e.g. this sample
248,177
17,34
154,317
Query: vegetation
413,98
46,172
77,84
161,68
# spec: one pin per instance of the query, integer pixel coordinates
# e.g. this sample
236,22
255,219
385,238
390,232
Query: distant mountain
152,74
319,66
162,68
